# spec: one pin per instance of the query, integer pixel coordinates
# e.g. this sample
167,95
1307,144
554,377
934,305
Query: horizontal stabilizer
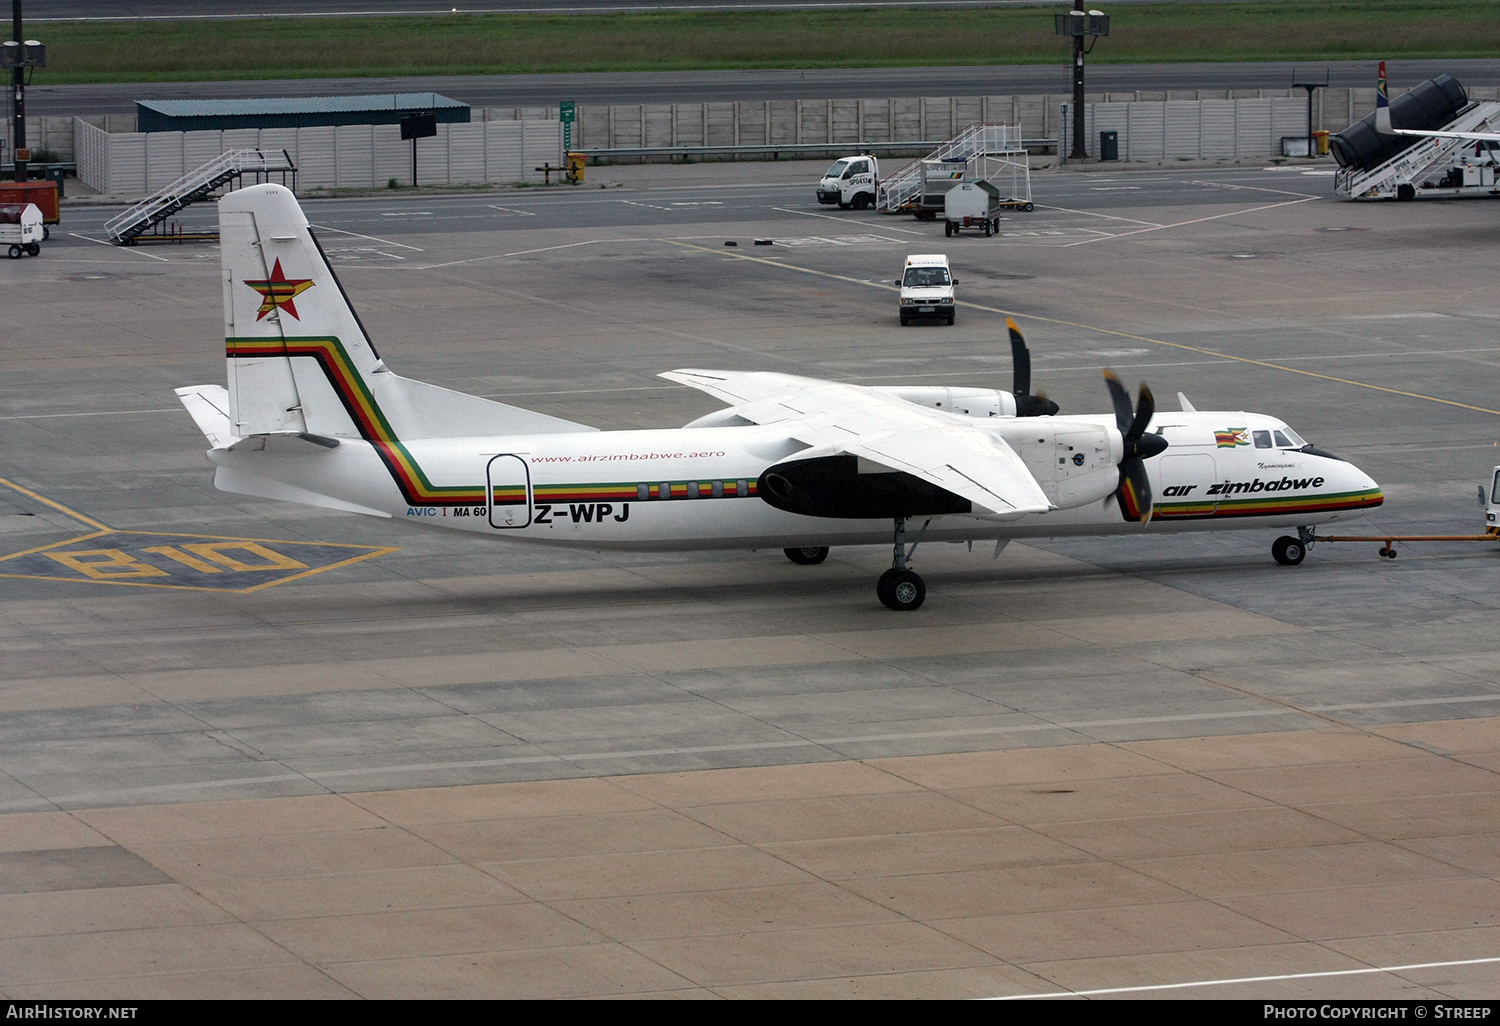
209,405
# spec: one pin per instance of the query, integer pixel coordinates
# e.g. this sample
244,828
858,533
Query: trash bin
56,174
1320,139
1109,145
576,161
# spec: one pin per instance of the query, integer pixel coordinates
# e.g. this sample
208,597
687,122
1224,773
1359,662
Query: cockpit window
1286,436
925,277
1283,441
1262,439
837,171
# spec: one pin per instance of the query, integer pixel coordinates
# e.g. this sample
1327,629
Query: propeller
1135,485
1027,405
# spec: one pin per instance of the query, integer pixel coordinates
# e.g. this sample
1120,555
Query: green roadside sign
567,113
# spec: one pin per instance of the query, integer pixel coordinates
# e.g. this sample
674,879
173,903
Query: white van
927,288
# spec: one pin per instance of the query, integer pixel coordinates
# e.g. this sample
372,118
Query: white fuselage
695,488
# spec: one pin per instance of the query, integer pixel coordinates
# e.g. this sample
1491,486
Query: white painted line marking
1196,220
357,235
519,252
845,220
1248,979
131,249
95,413
1078,726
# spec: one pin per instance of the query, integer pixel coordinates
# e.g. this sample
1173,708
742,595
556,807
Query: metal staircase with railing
1402,176
147,215
979,141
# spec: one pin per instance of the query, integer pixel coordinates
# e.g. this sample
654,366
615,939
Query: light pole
1079,24
18,55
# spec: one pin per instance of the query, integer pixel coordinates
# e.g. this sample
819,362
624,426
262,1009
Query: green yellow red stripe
1269,507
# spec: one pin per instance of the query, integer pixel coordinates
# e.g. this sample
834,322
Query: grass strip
483,44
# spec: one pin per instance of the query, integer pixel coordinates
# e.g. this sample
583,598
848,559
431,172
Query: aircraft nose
1363,484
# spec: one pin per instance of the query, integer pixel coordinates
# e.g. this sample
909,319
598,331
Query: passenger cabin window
1262,439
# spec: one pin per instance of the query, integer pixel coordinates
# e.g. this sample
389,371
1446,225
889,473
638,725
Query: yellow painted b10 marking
271,559
106,564
117,564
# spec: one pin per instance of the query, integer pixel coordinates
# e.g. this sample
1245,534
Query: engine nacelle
1075,463
966,402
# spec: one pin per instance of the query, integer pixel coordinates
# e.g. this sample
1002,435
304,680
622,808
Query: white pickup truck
850,182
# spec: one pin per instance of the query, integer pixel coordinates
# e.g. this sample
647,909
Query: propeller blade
1135,489
1134,493
1026,405
1020,359
1124,415
1145,409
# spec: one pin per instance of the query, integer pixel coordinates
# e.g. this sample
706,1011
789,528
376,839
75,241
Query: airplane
313,415
1384,127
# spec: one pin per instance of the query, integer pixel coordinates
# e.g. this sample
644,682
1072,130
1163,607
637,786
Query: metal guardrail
809,149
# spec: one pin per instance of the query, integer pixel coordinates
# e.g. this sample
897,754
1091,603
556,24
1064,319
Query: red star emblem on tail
278,291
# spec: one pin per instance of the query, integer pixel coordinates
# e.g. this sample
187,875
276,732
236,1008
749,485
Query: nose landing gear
900,588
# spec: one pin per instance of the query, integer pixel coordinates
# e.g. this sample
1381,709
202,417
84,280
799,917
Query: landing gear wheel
948,228
808,555
34,249
1389,552
1288,551
901,590
14,252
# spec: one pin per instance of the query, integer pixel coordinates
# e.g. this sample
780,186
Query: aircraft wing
832,418
1473,136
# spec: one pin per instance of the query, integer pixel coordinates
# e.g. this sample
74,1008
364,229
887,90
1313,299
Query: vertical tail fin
1382,104
300,362
281,299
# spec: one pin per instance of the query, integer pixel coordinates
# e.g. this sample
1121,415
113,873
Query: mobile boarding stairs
991,151
1433,166
145,219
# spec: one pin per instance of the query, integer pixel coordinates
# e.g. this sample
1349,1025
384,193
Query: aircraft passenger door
1185,481
509,489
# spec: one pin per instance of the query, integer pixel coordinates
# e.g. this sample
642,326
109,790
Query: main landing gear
808,555
900,588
